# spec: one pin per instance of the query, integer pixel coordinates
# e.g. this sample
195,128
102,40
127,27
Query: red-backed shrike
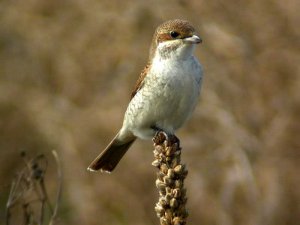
165,94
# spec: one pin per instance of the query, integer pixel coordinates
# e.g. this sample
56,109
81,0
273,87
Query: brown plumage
111,155
140,80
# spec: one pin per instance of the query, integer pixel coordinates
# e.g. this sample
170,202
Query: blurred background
66,73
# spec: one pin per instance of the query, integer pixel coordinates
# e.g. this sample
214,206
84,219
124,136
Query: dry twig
29,193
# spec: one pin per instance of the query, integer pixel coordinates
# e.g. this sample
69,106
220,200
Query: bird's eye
174,34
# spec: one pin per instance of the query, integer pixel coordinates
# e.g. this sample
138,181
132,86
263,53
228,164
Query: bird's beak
193,39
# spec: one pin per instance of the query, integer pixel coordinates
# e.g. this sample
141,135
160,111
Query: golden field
66,73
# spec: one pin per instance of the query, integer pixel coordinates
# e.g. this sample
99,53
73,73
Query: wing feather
139,83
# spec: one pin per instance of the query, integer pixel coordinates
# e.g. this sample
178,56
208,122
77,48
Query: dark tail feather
110,157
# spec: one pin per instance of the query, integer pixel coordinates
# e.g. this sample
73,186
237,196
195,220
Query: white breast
167,98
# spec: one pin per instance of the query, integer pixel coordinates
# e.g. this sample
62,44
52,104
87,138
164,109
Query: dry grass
66,70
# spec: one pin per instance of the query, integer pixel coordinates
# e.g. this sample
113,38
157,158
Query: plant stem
170,207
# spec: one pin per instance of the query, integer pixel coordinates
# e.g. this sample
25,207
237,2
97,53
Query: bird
165,94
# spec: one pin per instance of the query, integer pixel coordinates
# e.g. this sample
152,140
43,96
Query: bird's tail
112,154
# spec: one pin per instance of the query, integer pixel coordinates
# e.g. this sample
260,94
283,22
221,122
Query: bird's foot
161,136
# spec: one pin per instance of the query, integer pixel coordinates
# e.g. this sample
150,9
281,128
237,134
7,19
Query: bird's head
174,38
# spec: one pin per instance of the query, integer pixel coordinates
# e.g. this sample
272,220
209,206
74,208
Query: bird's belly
162,103
175,104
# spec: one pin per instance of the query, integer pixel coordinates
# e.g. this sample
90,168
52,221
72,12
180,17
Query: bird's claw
161,136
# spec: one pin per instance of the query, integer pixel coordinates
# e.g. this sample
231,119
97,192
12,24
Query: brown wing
139,82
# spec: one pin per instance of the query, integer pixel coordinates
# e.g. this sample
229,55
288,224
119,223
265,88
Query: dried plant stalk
170,180
29,192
